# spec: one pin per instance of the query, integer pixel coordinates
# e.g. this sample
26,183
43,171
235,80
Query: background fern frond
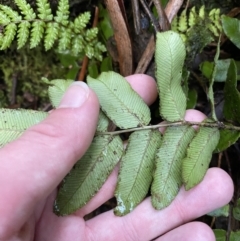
44,10
13,15
77,44
71,36
26,9
64,39
91,34
62,12
36,33
52,31
81,22
23,33
4,19
9,34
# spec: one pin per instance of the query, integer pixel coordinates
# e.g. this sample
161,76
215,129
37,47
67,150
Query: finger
145,223
146,87
191,231
32,166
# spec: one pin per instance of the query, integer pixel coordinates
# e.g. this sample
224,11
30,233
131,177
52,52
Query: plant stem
219,125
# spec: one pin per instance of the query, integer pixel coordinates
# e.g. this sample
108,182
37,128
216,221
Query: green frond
44,10
81,22
202,12
89,51
174,24
64,39
23,33
213,29
13,15
52,31
62,14
99,48
182,23
36,33
9,34
192,17
25,9
77,44
4,19
91,34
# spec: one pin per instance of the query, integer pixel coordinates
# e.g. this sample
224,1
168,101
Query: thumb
33,165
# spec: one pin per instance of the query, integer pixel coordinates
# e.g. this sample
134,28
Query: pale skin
32,167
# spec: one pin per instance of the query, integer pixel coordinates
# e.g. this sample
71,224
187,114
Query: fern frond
44,10
4,19
213,29
174,24
64,39
202,12
89,51
23,33
26,10
9,34
13,15
36,33
99,48
62,12
91,34
183,21
72,36
192,17
81,22
77,45
52,31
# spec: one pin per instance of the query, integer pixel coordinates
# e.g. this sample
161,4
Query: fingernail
75,96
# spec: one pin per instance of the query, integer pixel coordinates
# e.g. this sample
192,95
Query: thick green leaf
220,234
227,138
136,169
169,56
220,212
14,122
231,107
119,101
199,155
231,27
89,174
57,89
221,71
167,177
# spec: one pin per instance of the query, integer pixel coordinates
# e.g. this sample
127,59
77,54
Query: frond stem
218,124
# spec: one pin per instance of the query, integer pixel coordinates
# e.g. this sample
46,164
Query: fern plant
155,162
43,26
197,29
185,22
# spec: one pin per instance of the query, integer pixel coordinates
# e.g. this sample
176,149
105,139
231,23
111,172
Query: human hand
32,167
